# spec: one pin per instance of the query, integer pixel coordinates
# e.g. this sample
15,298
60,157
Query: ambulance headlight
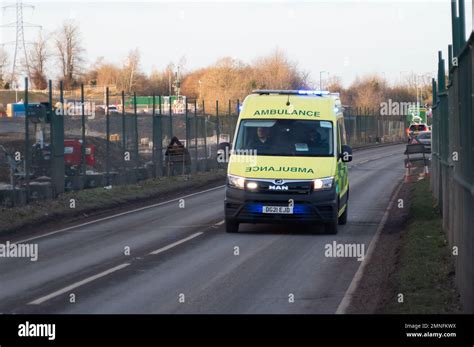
323,183
236,181
252,185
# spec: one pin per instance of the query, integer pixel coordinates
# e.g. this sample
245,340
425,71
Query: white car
112,109
424,137
415,129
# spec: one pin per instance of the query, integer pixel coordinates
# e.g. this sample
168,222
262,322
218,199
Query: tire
231,226
343,218
331,227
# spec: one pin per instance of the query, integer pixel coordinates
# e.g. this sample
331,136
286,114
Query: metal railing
452,177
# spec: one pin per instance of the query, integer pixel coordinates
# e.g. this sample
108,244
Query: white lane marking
374,159
116,215
77,284
220,223
174,244
347,299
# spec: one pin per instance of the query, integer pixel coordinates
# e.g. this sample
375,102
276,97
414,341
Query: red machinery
72,153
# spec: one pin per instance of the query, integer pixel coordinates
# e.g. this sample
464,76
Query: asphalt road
182,261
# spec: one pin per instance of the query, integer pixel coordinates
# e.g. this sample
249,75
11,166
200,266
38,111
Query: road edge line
354,285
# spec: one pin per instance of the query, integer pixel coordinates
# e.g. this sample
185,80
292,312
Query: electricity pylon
20,43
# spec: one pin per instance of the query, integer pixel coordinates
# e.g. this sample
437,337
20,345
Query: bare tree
368,92
38,57
276,71
130,70
334,84
70,52
3,68
231,79
158,82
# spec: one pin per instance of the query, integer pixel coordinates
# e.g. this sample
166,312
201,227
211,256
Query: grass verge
425,272
91,200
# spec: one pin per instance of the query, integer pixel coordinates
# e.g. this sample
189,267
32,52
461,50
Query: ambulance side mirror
346,154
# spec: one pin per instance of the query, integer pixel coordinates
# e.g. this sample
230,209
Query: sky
342,38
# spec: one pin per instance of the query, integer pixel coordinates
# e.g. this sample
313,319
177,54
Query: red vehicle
41,158
72,153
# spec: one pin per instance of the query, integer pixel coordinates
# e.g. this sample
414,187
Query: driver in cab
263,141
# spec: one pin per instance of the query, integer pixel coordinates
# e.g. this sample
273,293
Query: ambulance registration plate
277,209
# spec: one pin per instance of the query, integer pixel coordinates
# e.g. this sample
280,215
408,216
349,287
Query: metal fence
71,143
67,144
452,179
368,127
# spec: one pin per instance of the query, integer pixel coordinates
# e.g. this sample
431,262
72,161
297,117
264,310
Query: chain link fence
367,127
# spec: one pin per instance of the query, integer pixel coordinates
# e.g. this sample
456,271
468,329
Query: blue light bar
313,92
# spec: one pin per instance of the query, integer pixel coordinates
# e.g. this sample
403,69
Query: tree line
226,79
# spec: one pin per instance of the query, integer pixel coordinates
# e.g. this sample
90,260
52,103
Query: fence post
462,24
51,118
171,119
159,104
186,125
217,122
195,167
57,141
450,62
204,121
83,134
27,144
153,136
107,141
160,139
455,28
124,134
135,135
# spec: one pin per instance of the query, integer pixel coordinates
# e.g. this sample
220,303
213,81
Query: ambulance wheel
331,227
343,218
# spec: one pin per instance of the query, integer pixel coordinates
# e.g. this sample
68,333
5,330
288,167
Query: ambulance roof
291,104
